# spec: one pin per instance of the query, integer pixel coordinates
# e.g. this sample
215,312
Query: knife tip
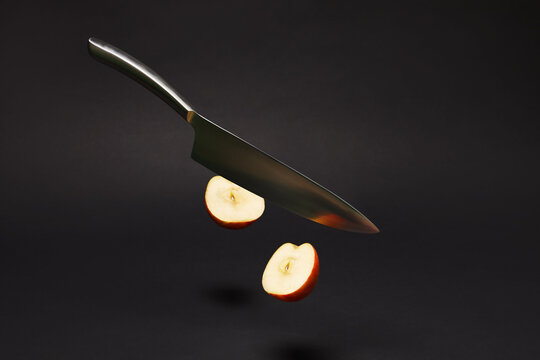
371,227
374,229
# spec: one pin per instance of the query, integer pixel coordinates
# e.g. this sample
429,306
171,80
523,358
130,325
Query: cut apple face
292,272
230,205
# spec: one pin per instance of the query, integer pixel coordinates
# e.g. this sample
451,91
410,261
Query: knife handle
139,72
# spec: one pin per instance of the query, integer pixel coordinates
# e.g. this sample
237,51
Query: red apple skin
228,224
308,286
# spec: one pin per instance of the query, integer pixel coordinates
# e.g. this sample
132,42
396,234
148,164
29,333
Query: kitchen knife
238,161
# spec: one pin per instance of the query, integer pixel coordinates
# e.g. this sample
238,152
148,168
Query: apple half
230,205
292,272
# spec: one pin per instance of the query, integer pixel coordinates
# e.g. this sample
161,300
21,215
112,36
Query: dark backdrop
423,116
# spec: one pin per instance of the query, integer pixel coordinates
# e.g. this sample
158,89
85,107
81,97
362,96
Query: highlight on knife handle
141,73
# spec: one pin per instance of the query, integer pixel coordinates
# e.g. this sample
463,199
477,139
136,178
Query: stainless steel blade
240,162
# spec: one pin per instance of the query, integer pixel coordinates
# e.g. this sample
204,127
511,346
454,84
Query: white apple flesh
230,205
292,272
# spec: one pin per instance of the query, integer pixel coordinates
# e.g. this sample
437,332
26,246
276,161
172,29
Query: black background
423,116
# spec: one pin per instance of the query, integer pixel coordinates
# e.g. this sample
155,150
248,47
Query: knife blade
237,160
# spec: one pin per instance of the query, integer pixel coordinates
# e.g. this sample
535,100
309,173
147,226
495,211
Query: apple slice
230,205
292,272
